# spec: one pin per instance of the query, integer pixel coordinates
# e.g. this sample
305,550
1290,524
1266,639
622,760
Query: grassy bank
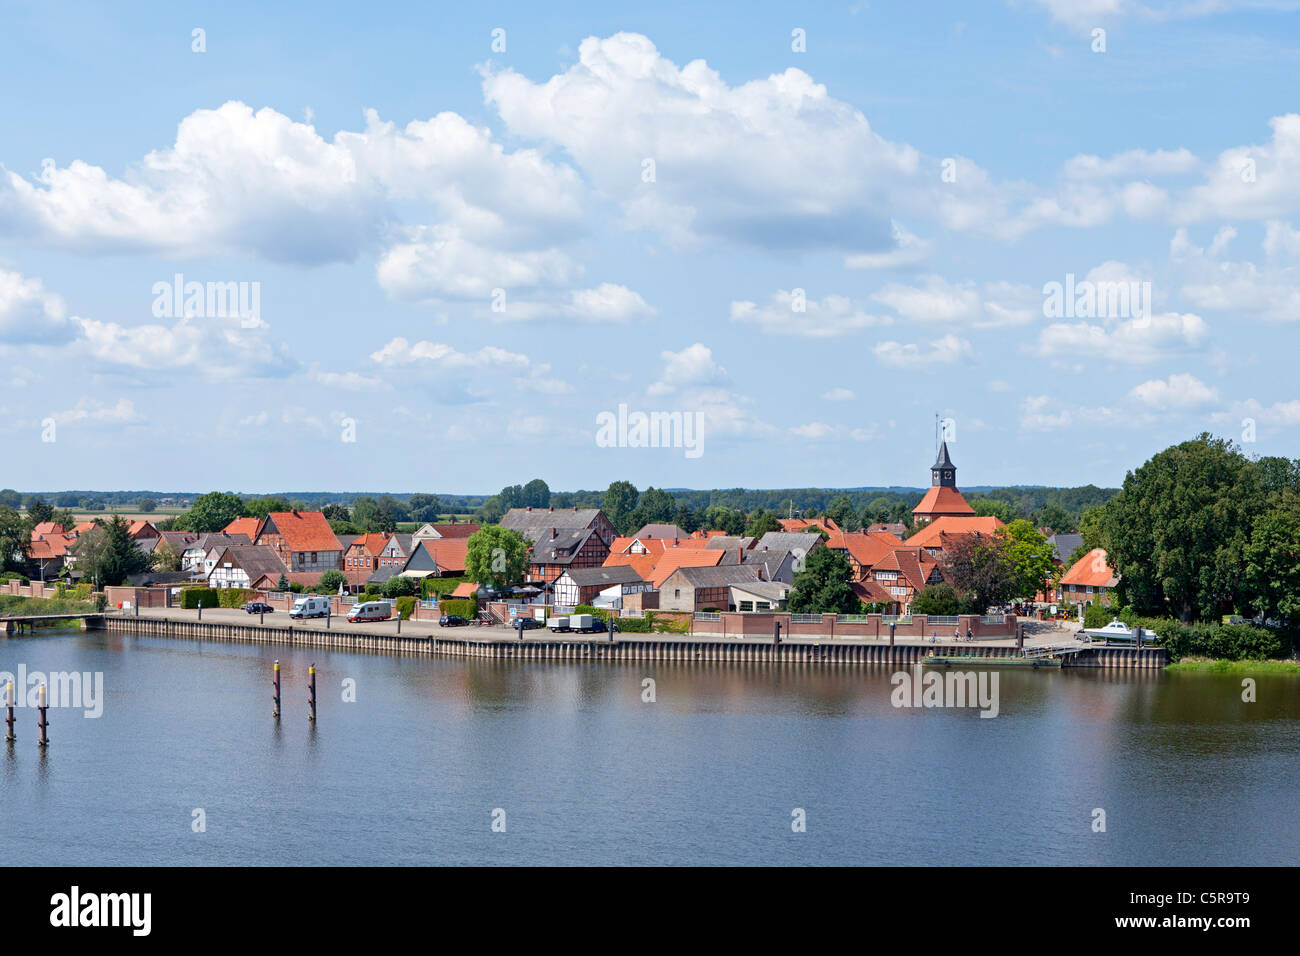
11,605
1204,665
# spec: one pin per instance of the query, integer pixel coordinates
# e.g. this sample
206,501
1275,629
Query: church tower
943,473
943,500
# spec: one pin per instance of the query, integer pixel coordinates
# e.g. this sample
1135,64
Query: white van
310,607
370,611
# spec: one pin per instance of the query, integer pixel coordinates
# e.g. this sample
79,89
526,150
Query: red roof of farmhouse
1092,570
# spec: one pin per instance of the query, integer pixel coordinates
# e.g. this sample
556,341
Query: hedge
1228,642
191,597
599,612
461,607
405,607
234,597
635,625
437,587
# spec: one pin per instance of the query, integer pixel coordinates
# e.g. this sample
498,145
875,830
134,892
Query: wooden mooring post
276,695
43,723
9,707
311,692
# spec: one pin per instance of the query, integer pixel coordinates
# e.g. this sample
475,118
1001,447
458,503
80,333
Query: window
313,557
747,605
677,592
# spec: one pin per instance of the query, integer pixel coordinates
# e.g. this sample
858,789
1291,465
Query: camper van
310,607
370,611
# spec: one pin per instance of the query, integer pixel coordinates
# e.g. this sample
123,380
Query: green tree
535,494
398,586
1053,516
211,512
976,566
1179,526
261,507
331,581
9,498
940,598
822,587
491,511
14,536
497,557
148,505
336,512
372,516
995,507
657,506
282,584
1273,561
111,556
686,519
618,504
761,522
841,511
38,512
424,507
1028,556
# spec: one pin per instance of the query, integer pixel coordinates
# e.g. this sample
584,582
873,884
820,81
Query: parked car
258,607
525,623
370,611
452,620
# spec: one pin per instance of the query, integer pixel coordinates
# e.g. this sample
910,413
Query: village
574,558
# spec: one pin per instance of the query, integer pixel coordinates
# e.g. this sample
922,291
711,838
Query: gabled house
249,526
1090,579
577,586
660,531
364,552
239,566
697,588
397,550
437,558
798,541
303,540
760,596
864,549
904,573
195,557
143,531
562,538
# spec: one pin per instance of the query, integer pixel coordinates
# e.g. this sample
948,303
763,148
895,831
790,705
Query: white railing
805,618
708,616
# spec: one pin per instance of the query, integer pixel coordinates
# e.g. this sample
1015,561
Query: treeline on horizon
1015,502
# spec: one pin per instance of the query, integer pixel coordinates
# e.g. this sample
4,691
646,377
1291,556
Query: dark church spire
943,473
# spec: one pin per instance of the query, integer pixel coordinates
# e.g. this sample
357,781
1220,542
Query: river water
584,771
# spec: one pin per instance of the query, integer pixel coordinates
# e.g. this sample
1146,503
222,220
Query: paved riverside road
1038,633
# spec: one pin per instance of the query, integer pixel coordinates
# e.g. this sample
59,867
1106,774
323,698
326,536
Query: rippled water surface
586,772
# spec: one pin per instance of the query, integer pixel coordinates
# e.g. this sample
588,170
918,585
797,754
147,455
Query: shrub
437,587
405,606
13,576
398,586
601,613
331,580
191,597
635,625
1097,615
234,597
461,607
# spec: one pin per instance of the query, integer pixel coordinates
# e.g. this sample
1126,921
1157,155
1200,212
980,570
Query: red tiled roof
303,530
871,592
928,536
372,543
913,564
246,526
465,589
448,553
1092,570
675,558
942,500
798,524
865,548
46,527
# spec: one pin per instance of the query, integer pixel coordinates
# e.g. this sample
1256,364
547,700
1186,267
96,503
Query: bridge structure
89,620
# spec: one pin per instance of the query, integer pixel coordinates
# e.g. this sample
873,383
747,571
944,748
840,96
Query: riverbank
505,643
1205,665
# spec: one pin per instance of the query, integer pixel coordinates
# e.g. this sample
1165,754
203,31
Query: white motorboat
1117,632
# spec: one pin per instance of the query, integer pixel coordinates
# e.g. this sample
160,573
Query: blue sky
648,198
